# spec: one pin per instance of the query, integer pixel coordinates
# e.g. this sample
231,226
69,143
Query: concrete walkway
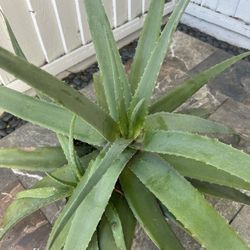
228,100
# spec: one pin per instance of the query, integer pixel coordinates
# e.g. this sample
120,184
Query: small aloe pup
144,161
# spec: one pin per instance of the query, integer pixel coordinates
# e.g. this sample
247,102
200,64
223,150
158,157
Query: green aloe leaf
14,42
105,237
60,92
93,245
30,109
178,96
204,172
116,226
38,193
88,183
126,216
199,148
115,81
147,211
32,159
21,208
149,77
182,122
221,191
91,208
185,203
99,91
148,40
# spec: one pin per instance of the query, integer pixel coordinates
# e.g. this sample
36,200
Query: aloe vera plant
145,156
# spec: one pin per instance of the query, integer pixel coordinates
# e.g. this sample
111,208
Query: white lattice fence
54,34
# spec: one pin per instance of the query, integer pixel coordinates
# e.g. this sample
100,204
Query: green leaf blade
178,96
148,39
60,92
151,218
182,122
186,203
30,109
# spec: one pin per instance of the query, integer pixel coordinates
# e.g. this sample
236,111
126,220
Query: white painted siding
227,20
54,34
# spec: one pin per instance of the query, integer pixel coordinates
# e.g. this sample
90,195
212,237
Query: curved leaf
221,191
32,159
182,122
178,96
38,193
186,203
88,184
21,208
60,92
147,42
91,208
204,172
199,148
147,212
30,109
116,226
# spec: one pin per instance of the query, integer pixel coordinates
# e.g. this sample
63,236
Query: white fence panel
54,34
211,4
243,11
227,7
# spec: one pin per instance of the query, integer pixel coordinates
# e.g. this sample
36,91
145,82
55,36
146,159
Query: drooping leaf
114,77
200,148
99,91
91,208
115,226
30,109
21,208
88,184
178,96
182,122
59,92
147,212
105,237
147,42
221,191
126,216
147,82
32,159
204,172
185,203
14,42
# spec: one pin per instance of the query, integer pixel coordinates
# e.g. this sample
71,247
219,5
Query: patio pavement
228,100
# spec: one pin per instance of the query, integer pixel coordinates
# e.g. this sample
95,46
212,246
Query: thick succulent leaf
210,151
105,237
182,122
221,191
47,115
21,208
204,172
178,96
91,208
147,211
88,184
59,92
149,77
114,77
200,112
116,226
185,203
39,193
14,42
126,216
148,39
32,159
99,91
64,141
